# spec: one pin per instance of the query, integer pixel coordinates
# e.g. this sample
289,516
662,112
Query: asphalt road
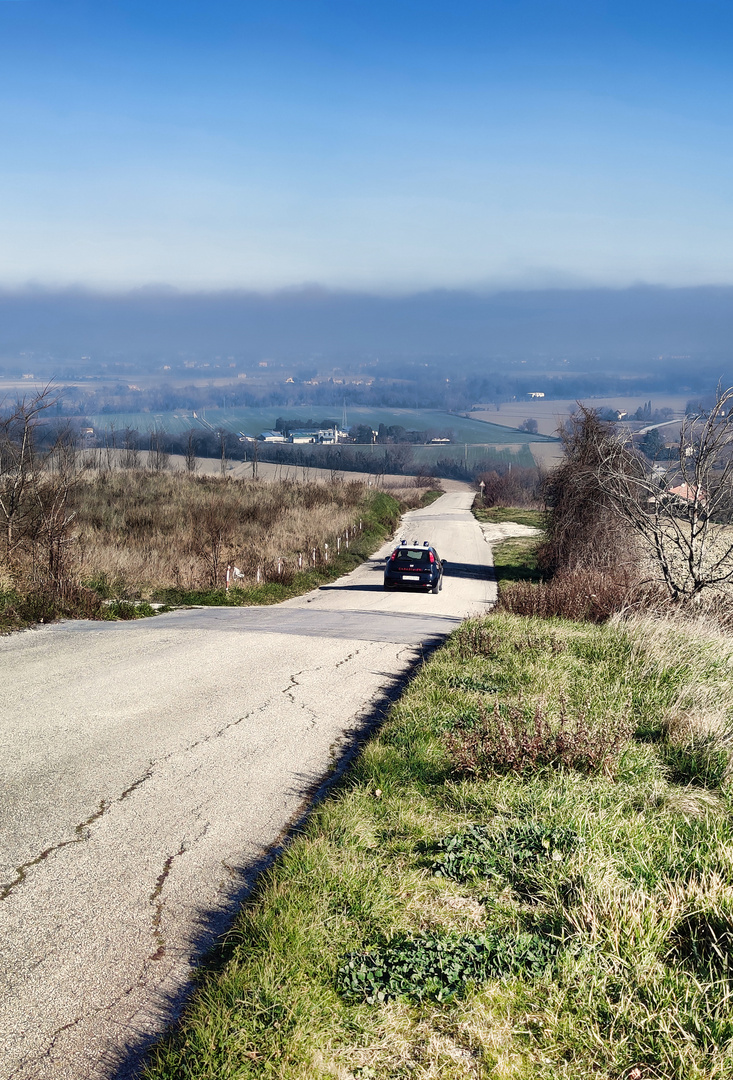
148,769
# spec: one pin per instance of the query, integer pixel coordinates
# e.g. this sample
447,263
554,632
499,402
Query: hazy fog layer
594,325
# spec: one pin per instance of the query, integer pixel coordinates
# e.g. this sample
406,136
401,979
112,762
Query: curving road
148,769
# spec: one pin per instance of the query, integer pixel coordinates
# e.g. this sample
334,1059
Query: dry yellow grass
147,531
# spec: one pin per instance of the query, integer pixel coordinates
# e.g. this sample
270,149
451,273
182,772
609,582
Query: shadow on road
209,950
469,570
350,588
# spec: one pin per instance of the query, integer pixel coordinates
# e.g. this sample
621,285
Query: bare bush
36,487
213,534
130,457
583,530
158,456
589,594
424,479
190,451
511,738
516,486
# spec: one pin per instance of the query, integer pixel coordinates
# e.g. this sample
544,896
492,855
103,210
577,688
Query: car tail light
394,556
432,557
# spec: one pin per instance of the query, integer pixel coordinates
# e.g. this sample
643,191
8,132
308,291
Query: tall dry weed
150,530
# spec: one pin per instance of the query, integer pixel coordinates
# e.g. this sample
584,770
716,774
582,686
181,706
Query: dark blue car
414,566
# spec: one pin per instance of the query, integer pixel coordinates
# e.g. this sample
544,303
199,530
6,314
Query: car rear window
413,555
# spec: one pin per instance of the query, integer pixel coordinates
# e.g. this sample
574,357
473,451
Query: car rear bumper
395,581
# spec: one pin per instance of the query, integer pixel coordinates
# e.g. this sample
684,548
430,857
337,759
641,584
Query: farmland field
251,421
550,412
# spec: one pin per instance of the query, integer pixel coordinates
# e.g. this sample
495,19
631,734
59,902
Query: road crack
288,691
80,830
81,834
159,904
139,982
347,658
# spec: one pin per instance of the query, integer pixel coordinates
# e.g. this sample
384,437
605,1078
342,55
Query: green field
253,421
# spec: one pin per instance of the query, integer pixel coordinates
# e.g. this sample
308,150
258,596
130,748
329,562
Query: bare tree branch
680,509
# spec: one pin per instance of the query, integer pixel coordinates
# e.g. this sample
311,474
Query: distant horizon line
162,289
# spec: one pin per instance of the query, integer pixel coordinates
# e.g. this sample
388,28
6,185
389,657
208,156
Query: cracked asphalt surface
148,768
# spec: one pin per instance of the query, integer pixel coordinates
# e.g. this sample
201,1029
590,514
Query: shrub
513,739
582,528
516,486
44,600
589,594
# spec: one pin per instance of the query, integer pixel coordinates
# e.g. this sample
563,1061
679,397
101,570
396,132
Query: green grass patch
130,609
497,515
516,560
441,967
544,924
254,419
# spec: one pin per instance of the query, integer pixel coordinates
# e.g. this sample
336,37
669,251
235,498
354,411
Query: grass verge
552,918
497,515
516,560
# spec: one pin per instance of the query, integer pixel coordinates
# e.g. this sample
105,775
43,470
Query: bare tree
36,487
20,468
130,450
214,527
680,509
190,451
223,447
54,538
158,457
110,447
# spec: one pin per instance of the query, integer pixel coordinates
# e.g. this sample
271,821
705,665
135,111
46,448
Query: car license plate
410,577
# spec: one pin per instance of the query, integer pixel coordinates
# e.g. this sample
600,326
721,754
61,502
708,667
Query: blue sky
371,145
